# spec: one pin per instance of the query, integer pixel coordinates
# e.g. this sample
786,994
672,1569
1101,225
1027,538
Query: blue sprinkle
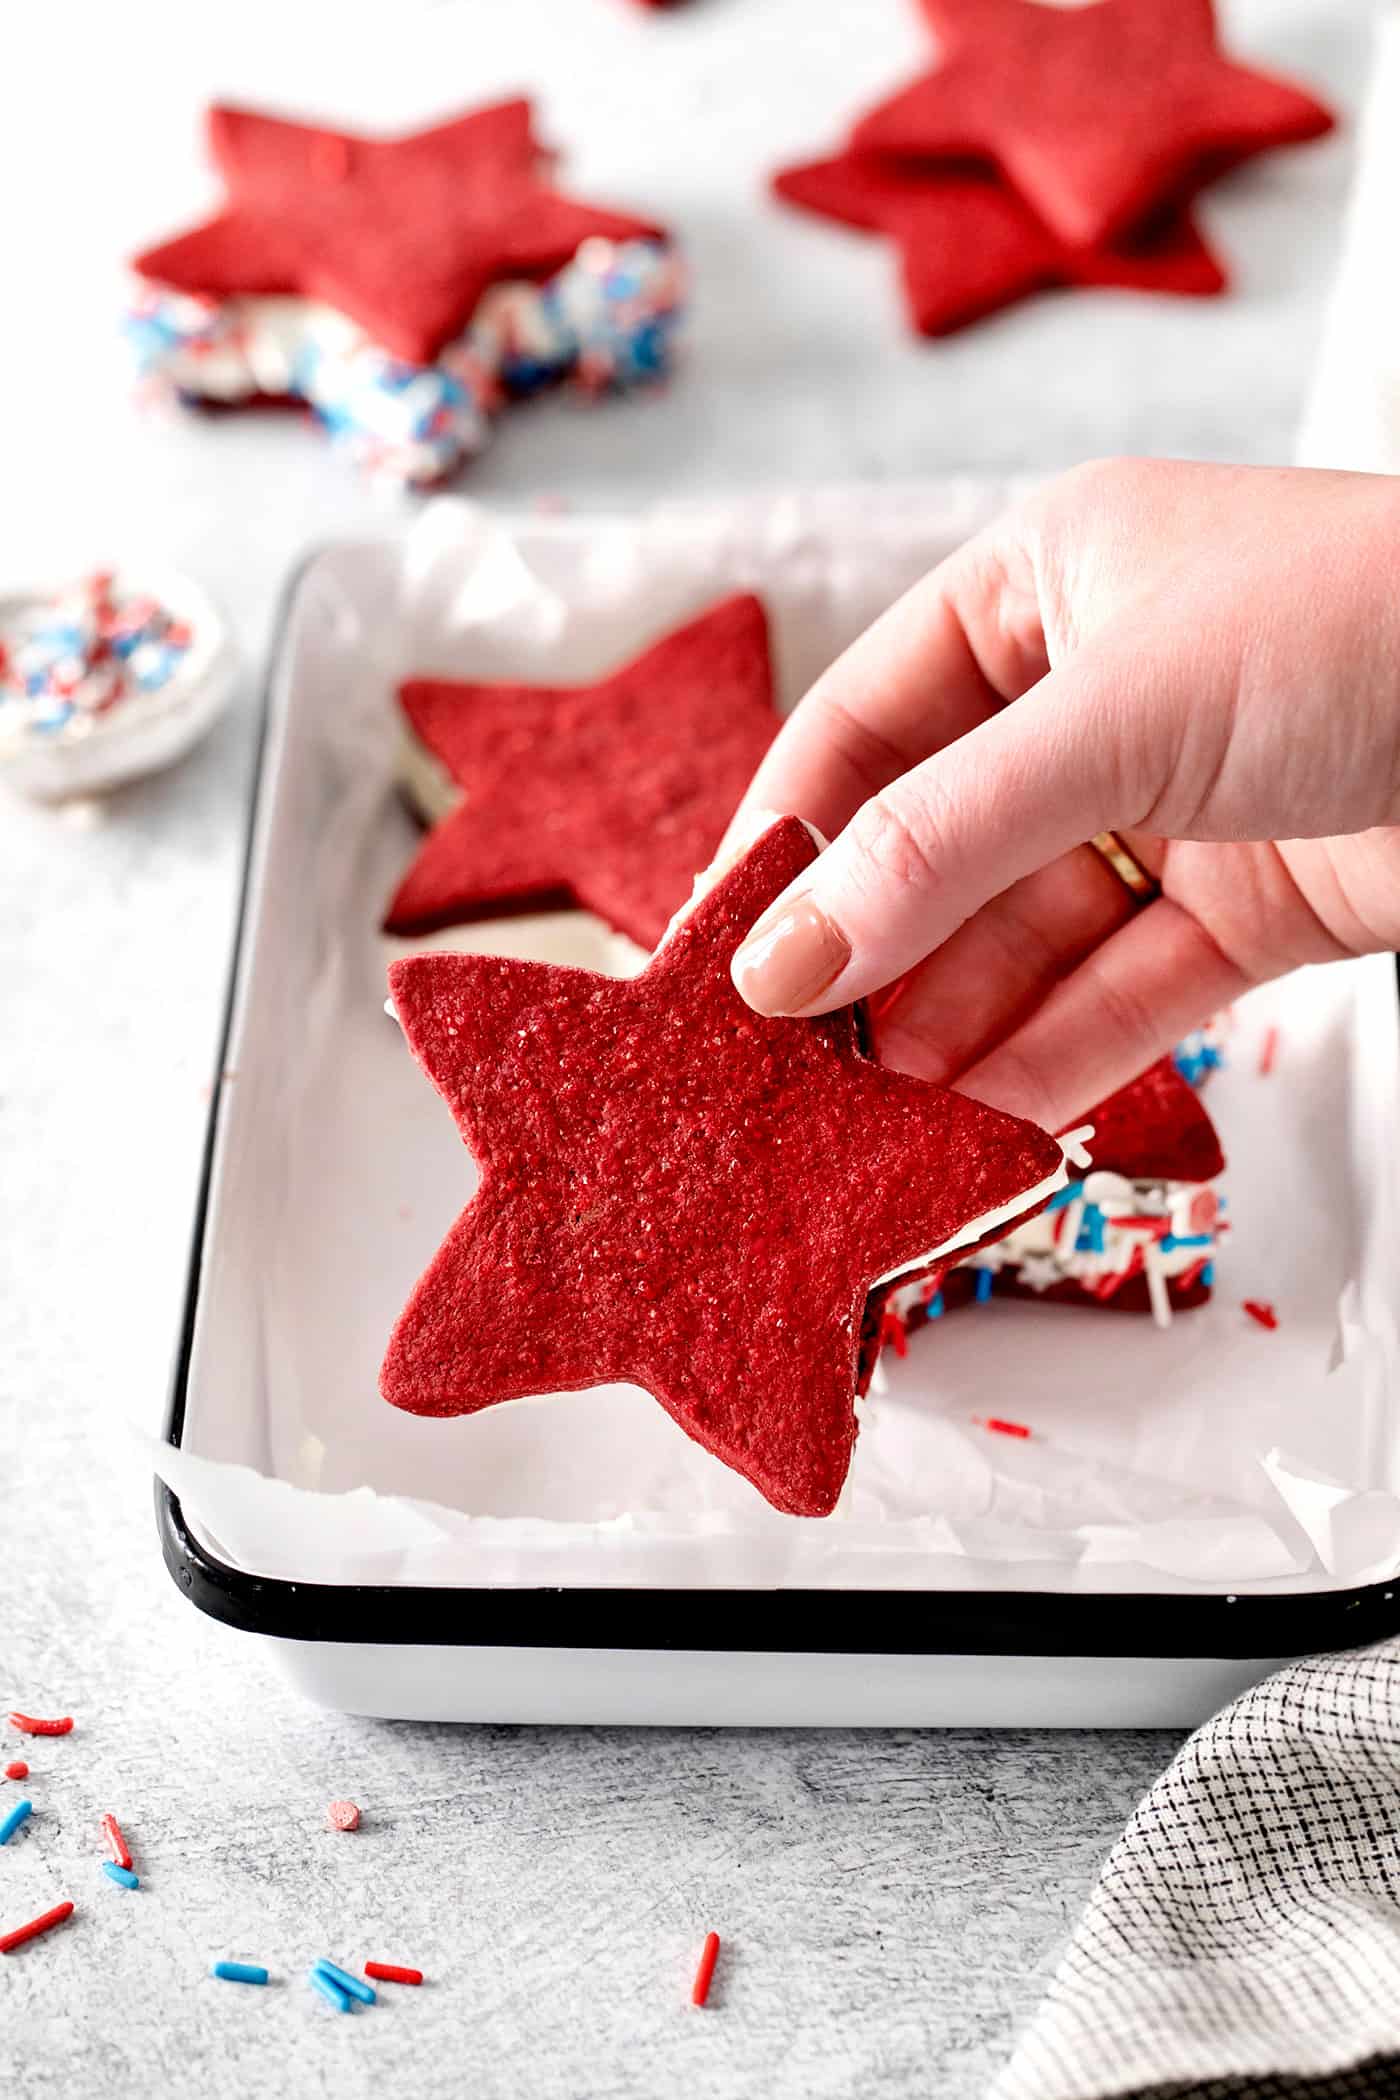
20,1813
934,1309
365,1992
1070,1193
124,1875
1208,1274
1172,1240
331,1992
1194,1058
239,1972
526,375
984,1285
1090,1240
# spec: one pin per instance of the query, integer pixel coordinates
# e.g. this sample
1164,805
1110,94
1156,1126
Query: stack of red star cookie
1053,145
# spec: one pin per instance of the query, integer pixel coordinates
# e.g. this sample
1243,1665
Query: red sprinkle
386,1972
116,1843
18,1770
343,1815
1264,1314
995,1423
1268,1052
709,1954
29,1726
1104,1289
31,1931
892,1329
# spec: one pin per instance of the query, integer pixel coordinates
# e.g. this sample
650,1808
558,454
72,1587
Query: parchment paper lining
1213,1456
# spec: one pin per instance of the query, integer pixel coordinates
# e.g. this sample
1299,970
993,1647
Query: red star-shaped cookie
610,796
403,235
1095,114
968,246
682,1195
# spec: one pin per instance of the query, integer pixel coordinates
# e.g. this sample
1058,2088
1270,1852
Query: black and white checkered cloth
1243,1942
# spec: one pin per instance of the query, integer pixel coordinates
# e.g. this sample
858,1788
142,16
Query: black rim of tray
833,1622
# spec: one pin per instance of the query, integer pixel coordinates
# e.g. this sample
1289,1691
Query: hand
1203,659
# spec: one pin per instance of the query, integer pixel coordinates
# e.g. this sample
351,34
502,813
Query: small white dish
93,753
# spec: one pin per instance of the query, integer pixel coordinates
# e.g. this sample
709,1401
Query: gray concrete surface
889,1902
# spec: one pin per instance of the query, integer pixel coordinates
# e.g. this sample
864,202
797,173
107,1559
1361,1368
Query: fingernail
789,959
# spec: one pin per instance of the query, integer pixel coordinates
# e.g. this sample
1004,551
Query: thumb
1075,755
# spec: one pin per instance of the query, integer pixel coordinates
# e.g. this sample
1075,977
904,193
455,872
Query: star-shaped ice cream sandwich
1138,1233
682,1195
968,245
610,796
401,235
1095,114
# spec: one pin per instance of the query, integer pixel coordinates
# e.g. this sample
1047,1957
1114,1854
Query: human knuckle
1021,1080
895,840
1093,477
1124,1012
866,750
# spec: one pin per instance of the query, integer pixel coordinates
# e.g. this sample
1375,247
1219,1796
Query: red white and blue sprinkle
1199,1054
239,1972
329,1989
112,1831
1096,1234
45,1922
31,1724
344,1981
69,662
20,1813
709,1955
604,322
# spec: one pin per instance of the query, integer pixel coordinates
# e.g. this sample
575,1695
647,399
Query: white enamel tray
1191,1509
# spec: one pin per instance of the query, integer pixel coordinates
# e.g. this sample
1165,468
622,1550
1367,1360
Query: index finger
950,652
